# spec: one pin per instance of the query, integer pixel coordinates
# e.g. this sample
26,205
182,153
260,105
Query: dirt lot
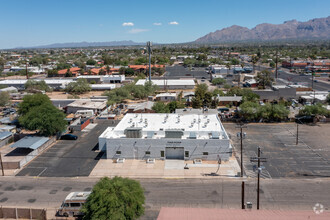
63,95
310,158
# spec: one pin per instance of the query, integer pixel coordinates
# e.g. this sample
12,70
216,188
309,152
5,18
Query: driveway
68,158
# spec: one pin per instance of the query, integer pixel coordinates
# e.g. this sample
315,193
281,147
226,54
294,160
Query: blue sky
40,22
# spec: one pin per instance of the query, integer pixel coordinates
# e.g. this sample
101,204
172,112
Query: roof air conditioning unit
120,160
151,160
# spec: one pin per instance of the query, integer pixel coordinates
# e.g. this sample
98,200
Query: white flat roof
166,94
157,123
47,81
103,86
168,82
87,103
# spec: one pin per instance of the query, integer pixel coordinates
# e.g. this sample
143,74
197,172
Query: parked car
69,137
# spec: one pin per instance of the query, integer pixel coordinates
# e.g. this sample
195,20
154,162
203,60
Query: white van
73,203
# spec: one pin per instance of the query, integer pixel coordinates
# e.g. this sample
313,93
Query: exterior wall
141,111
221,103
5,141
166,98
136,148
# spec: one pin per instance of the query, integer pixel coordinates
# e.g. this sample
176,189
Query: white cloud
157,24
128,24
137,30
173,23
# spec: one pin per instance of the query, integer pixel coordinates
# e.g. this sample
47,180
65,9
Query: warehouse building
167,136
170,83
19,83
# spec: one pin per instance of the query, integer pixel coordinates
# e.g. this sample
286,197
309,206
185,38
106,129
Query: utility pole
149,44
312,80
258,159
27,74
297,135
276,75
243,184
3,172
258,190
241,135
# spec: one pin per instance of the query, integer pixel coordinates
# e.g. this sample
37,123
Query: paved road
310,158
296,78
68,158
212,193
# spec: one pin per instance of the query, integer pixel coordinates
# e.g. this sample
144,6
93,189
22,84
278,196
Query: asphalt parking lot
310,158
176,72
68,158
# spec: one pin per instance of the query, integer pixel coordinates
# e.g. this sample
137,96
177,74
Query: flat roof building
167,136
83,104
170,83
19,83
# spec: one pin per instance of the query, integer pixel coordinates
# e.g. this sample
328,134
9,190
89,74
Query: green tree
234,61
249,110
200,90
317,109
31,85
68,73
264,78
30,101
116,198
102,72
172,106
62,66
196,102
207,99
217,92
226,86
52,73
90,62
38,113
328,98
79,87
218,81
4,98
160,107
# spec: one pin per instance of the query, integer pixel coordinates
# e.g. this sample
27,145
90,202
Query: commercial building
166,97
170,84
144,107
167,136
19,83
104,78
86,104
229,100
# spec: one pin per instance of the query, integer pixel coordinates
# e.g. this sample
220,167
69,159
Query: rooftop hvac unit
133,132
120,160
174,133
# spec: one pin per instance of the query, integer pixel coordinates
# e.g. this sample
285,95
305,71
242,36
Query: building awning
31,142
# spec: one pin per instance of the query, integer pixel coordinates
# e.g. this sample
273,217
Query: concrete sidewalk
165,169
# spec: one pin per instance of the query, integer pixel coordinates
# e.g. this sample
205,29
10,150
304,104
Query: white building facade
167,136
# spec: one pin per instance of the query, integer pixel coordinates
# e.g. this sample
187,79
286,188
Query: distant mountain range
318,28
88,44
